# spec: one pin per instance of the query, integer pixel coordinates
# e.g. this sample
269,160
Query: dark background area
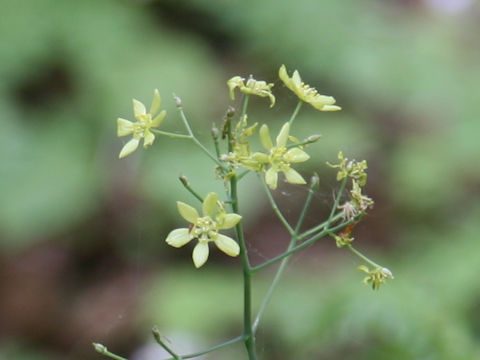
82,251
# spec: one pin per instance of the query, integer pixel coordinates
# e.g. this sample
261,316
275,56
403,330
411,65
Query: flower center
277,158
205,229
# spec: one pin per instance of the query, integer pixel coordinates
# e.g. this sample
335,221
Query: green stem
301,246
275,206
101,349
295,112
158,339
244,106
187,186
319,227
195,140
284,262
213,348
249,337
363,257
337,201
170,134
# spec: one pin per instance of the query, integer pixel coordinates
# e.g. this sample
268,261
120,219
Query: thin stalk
363,257
212,349
319,226
186,185
295,112
158,339
244,106
242,174
275,207
301,246
284,262
170,134
337,201
194,138
101,349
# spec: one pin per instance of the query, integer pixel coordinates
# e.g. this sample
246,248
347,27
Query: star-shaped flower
252,87
306,93
205,229
279,157
141,128
376,277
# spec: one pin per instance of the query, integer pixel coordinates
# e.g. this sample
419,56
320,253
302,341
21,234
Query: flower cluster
377,276
350,168
141,129
205,229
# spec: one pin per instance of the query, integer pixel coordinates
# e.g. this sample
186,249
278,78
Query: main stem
247,282
248,333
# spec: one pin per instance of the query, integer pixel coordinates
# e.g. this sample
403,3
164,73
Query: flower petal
124,127
156,102
179,237
261,157
294,177
148,138
234,82
129,148
187,212
227,245
265,138
331,108
296,155
271,178
158,119
228,221
283,75
209,204
296,79
138,108
283,135
200,254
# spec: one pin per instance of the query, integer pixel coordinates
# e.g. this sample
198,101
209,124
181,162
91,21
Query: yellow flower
141,128
306,93
376,277
252,87
280,157
205,229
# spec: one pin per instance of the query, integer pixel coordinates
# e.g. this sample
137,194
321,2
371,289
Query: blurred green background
82,254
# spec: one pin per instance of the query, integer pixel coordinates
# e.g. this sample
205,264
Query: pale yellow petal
187,212
283,135
148,138
227,245
156,102
331,108
229,220
157,121
200,254
296,79
296,155
283,75
265,138
129,148
233,83
179,237
124,127
294,177
138,108
210,204
271,178
261,157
